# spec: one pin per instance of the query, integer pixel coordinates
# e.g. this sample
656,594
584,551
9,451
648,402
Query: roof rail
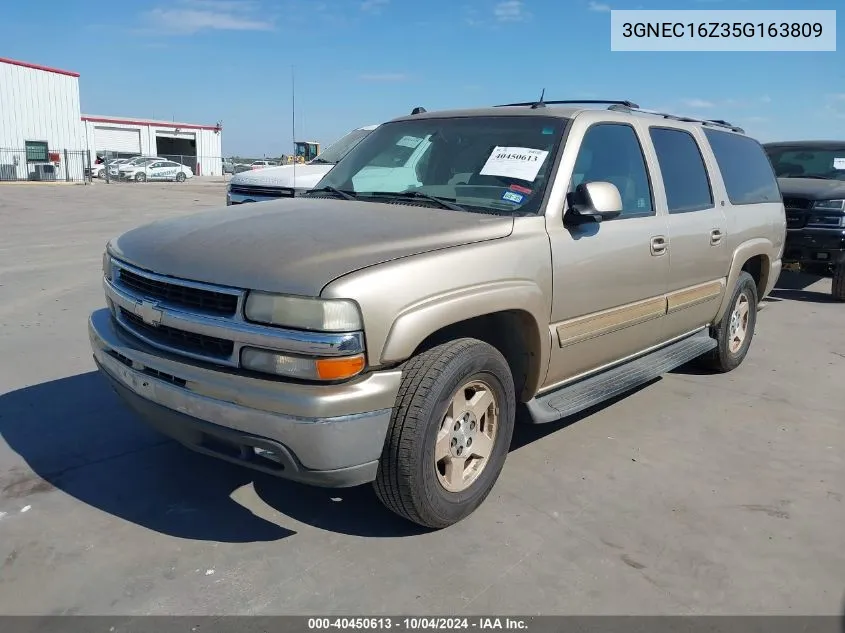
675,117
541,103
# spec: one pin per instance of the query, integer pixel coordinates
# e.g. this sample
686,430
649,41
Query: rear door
698,248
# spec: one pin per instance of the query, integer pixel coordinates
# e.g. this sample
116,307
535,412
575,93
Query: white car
285,181
118,170
158,170
99,170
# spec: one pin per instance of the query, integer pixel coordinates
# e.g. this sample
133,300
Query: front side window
808,162
611,152
337,150
487,164
684,174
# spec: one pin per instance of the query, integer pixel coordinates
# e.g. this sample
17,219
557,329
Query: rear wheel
838,287
734,333
449,433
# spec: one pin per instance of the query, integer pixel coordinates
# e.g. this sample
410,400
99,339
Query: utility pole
293,119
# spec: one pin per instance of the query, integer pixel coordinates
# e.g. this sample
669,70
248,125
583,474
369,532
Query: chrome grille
270,192
176,294
795,219
191,342
797,203
205,321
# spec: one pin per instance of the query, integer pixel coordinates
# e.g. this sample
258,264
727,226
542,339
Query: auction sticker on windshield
839,163
521,163
409,141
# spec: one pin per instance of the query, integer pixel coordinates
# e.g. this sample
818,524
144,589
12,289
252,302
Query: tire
410,481
140,177
837,288
180,177
727,357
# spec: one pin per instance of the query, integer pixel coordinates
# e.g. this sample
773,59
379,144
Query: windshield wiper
446,203
320,161
815,177
346,195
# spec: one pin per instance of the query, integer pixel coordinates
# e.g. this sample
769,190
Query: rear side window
746,170
684,175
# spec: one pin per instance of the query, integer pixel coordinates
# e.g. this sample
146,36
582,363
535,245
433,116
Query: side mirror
593,202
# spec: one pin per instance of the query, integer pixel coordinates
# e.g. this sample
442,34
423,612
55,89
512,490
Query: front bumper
814,246
324,435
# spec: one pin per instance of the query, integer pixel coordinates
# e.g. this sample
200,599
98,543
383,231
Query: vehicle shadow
794,286
75,435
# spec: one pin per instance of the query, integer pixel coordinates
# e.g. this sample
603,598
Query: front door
609,278
699,255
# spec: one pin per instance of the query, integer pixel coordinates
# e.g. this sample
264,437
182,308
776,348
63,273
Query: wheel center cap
462,435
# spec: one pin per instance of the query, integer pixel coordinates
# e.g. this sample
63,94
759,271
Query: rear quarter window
746,170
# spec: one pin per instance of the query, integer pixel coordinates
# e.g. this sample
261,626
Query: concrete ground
696,494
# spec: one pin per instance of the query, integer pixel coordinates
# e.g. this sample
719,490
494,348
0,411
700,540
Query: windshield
495,164
337,150
809,162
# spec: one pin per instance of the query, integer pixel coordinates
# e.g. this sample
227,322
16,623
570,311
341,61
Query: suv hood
297,246
282,176
812,188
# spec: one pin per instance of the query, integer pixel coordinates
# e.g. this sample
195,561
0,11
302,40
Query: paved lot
696,494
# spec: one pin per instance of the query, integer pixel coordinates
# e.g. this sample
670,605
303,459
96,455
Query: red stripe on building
58,71
186,126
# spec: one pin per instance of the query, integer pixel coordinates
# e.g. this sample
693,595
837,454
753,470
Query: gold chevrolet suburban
385,326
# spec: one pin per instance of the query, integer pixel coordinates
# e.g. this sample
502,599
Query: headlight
322,315
829,205
304,368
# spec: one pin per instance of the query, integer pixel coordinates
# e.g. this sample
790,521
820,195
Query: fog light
301,367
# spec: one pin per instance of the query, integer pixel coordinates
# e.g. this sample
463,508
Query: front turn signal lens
303,368
339,368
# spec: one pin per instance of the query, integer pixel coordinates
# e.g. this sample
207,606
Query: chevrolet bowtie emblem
149,312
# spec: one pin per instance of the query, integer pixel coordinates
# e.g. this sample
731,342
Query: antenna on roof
540,103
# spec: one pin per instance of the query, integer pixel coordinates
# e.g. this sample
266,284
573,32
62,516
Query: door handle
659,244
715,237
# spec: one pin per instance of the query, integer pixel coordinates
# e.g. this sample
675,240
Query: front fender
418,321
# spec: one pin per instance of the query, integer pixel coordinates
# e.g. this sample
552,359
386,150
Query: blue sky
365,61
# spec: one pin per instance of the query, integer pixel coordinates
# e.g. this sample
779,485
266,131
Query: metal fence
115,167
60,165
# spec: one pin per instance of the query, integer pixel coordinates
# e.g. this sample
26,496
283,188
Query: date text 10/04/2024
418,623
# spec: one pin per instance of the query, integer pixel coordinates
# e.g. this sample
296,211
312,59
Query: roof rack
674,117
541,103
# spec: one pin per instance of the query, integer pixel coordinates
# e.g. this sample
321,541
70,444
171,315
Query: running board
586,393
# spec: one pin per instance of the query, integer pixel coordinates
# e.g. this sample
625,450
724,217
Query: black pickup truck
811,175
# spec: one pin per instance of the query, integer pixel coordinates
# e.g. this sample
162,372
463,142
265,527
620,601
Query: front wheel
140,177
734,333
180,177
449,433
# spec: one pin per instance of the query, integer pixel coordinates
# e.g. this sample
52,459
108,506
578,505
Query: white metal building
42,129
39,118
197,146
